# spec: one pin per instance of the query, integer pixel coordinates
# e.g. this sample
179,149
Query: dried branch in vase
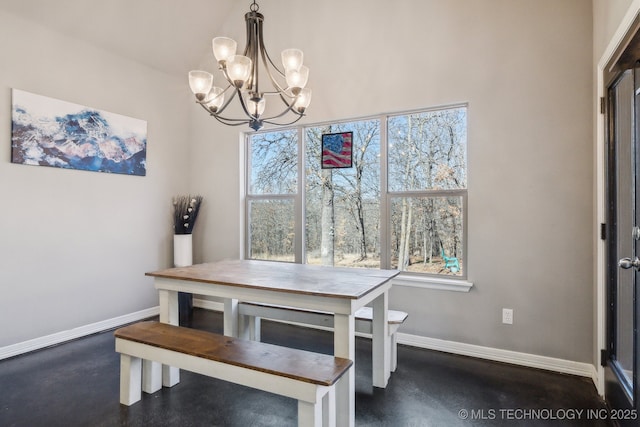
185,213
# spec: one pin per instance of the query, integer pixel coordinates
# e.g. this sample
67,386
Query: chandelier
243,80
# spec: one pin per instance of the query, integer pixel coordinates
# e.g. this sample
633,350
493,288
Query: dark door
621,372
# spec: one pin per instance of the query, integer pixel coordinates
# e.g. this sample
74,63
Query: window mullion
385,210
429,193
299,241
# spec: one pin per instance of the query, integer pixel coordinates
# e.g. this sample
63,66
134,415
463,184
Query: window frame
298,204
406,278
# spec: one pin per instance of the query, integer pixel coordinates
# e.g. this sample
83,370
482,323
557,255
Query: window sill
433,283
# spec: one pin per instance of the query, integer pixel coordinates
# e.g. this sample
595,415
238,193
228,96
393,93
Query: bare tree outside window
427,182
346,201
340,210
273,182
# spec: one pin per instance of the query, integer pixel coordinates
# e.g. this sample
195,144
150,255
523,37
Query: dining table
338,290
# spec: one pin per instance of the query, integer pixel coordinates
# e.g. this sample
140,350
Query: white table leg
231,317
309,414
380,342
329,408
169,314
344,343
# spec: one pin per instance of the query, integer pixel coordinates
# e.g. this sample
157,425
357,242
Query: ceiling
169,35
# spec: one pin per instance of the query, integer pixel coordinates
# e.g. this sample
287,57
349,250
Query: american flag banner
336,150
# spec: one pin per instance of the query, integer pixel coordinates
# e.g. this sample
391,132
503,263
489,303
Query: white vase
182,257
182,250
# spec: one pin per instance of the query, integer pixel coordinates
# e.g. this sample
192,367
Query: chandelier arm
203,106
229,122
223,69
286,110
249,34
205,101
254,33
266,59
280,91
256,49
221,119
268,121
224,106
280,94
244,106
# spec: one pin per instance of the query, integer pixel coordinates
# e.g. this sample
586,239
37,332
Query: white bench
251,313
308,377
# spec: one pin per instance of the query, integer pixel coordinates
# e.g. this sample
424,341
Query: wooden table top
339,282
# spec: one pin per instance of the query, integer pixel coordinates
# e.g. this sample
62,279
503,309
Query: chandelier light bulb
296,80
303,100
238,70
223,48
292,59
255,105
200,83
215,98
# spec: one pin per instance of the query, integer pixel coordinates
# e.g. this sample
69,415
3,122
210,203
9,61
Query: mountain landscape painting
50,132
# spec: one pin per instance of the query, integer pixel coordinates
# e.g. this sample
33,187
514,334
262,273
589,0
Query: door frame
629,25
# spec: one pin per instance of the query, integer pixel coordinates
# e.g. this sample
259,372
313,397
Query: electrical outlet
507,316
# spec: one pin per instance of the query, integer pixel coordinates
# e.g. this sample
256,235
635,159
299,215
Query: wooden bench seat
251,313
308,377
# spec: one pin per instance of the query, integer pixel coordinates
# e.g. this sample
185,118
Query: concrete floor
76,384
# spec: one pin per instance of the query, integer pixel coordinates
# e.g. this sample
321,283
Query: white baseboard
60,337
488,353
499,355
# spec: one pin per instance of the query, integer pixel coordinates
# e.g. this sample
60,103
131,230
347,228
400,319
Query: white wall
75,245
607,16
525,68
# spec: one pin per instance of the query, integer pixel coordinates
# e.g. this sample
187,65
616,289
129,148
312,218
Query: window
401,204
342,205
271,196
427,175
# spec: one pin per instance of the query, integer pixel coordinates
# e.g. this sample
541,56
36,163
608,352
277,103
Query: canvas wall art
50,132
336,150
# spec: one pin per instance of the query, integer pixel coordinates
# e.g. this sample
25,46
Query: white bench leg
329,413
309,414
243,327
255,326
393,347
394,353
151,376
231,317
130,379
169,314
249,327
170,376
